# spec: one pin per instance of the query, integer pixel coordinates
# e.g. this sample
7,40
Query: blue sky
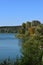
15,12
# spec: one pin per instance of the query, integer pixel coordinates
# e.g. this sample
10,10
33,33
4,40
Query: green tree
35,23
23,28
39,30
28,24
31,52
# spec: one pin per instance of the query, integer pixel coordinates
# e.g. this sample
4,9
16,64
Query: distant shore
9,29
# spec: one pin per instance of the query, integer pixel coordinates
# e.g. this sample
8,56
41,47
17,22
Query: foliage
31,31
23,28
28,24
32,42
31,52
35,23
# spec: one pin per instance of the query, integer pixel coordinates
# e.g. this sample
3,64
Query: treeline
9,29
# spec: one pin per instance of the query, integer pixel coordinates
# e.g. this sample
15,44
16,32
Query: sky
15,12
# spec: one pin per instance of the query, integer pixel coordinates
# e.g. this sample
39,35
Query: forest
9,29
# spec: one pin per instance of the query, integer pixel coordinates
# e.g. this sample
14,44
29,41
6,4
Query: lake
9,46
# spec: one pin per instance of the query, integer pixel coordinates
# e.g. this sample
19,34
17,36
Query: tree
28,25
35,23
31,52
38,30
23,28
32,41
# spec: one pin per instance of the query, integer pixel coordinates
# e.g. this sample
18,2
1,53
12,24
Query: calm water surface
9,46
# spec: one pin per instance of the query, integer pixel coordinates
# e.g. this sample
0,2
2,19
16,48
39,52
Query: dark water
9,46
